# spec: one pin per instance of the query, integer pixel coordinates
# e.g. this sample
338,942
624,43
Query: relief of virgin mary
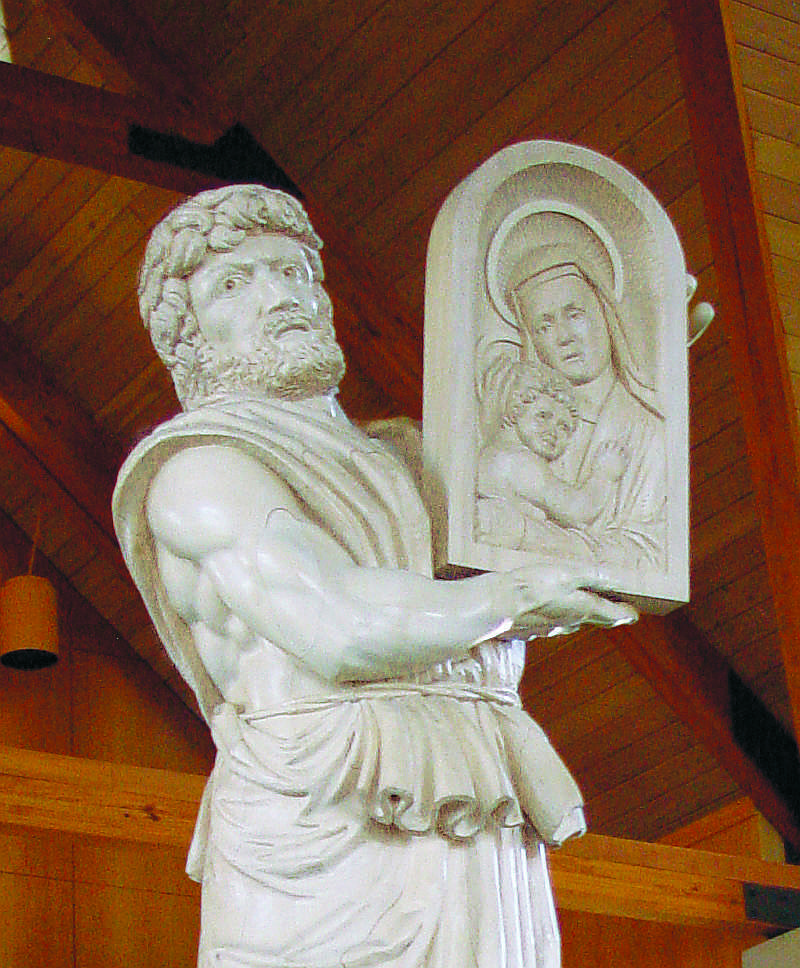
555,277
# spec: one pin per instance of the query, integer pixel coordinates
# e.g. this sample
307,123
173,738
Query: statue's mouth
293,324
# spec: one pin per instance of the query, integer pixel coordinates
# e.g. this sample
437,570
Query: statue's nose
274,293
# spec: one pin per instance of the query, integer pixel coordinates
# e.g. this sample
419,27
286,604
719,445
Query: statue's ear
323,300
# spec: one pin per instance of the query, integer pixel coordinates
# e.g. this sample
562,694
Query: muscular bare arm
237,554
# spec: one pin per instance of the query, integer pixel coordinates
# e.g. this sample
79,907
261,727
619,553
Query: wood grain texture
748,296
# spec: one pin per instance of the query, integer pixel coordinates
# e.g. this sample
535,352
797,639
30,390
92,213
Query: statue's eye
230,284
294,272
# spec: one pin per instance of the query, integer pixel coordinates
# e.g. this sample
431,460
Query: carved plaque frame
553,198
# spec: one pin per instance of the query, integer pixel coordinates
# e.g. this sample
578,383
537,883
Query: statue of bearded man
378,797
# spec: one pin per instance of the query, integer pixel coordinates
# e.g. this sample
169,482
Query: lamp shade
28,623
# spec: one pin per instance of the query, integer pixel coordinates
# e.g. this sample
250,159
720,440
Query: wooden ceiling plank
787,276
549,102
58,57
59,446
628,707
659,91
717,452
11,19
28,193
748,301
694,679
373,67
65,248
783,236
555,699
740,557
546,666
749,627
443,82
69,26
772,115
47,217
732,598
289,56
680,802
776,157
658,141
720,491
673,770
766,32
13,165
714,374
643,752
790,311
91,265
769,75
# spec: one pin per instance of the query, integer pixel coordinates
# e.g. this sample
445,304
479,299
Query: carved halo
544,224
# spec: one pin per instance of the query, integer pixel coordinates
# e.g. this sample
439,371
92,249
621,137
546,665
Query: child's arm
572,506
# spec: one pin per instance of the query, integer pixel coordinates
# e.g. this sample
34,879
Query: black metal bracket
234,157
772,905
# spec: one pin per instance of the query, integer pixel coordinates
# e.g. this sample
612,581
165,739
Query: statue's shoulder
402,435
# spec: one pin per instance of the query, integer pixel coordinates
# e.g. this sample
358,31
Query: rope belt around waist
464,692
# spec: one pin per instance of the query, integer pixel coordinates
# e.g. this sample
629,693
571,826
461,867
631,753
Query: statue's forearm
363,623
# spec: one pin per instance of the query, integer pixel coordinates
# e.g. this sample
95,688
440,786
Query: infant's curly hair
529,381
213,221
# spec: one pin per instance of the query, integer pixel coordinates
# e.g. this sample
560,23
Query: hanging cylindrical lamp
28,619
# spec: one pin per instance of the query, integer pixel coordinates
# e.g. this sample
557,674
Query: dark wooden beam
707,695
748,303
84,125
122,41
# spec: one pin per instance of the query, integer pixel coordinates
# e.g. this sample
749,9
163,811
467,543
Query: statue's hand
554,600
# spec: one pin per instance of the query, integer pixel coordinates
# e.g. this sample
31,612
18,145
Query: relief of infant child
517,486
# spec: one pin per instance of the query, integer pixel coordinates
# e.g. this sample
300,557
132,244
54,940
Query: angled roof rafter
748,300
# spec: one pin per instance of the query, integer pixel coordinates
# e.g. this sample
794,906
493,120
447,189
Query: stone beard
313,363
379,797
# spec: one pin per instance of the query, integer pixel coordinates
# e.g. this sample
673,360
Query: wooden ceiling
376,110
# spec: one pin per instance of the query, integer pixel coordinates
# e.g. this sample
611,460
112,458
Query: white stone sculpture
555,342
379,797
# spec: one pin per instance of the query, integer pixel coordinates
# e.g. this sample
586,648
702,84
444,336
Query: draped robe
398,823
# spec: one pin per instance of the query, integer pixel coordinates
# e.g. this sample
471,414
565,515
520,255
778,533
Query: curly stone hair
528,381
213,221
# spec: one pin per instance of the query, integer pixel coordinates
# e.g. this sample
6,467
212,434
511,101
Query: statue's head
231,292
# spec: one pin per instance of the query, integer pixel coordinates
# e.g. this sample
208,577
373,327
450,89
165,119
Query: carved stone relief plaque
556,391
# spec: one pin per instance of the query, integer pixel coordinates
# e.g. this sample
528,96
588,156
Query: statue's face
263,288
545,425
265,324
564,320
